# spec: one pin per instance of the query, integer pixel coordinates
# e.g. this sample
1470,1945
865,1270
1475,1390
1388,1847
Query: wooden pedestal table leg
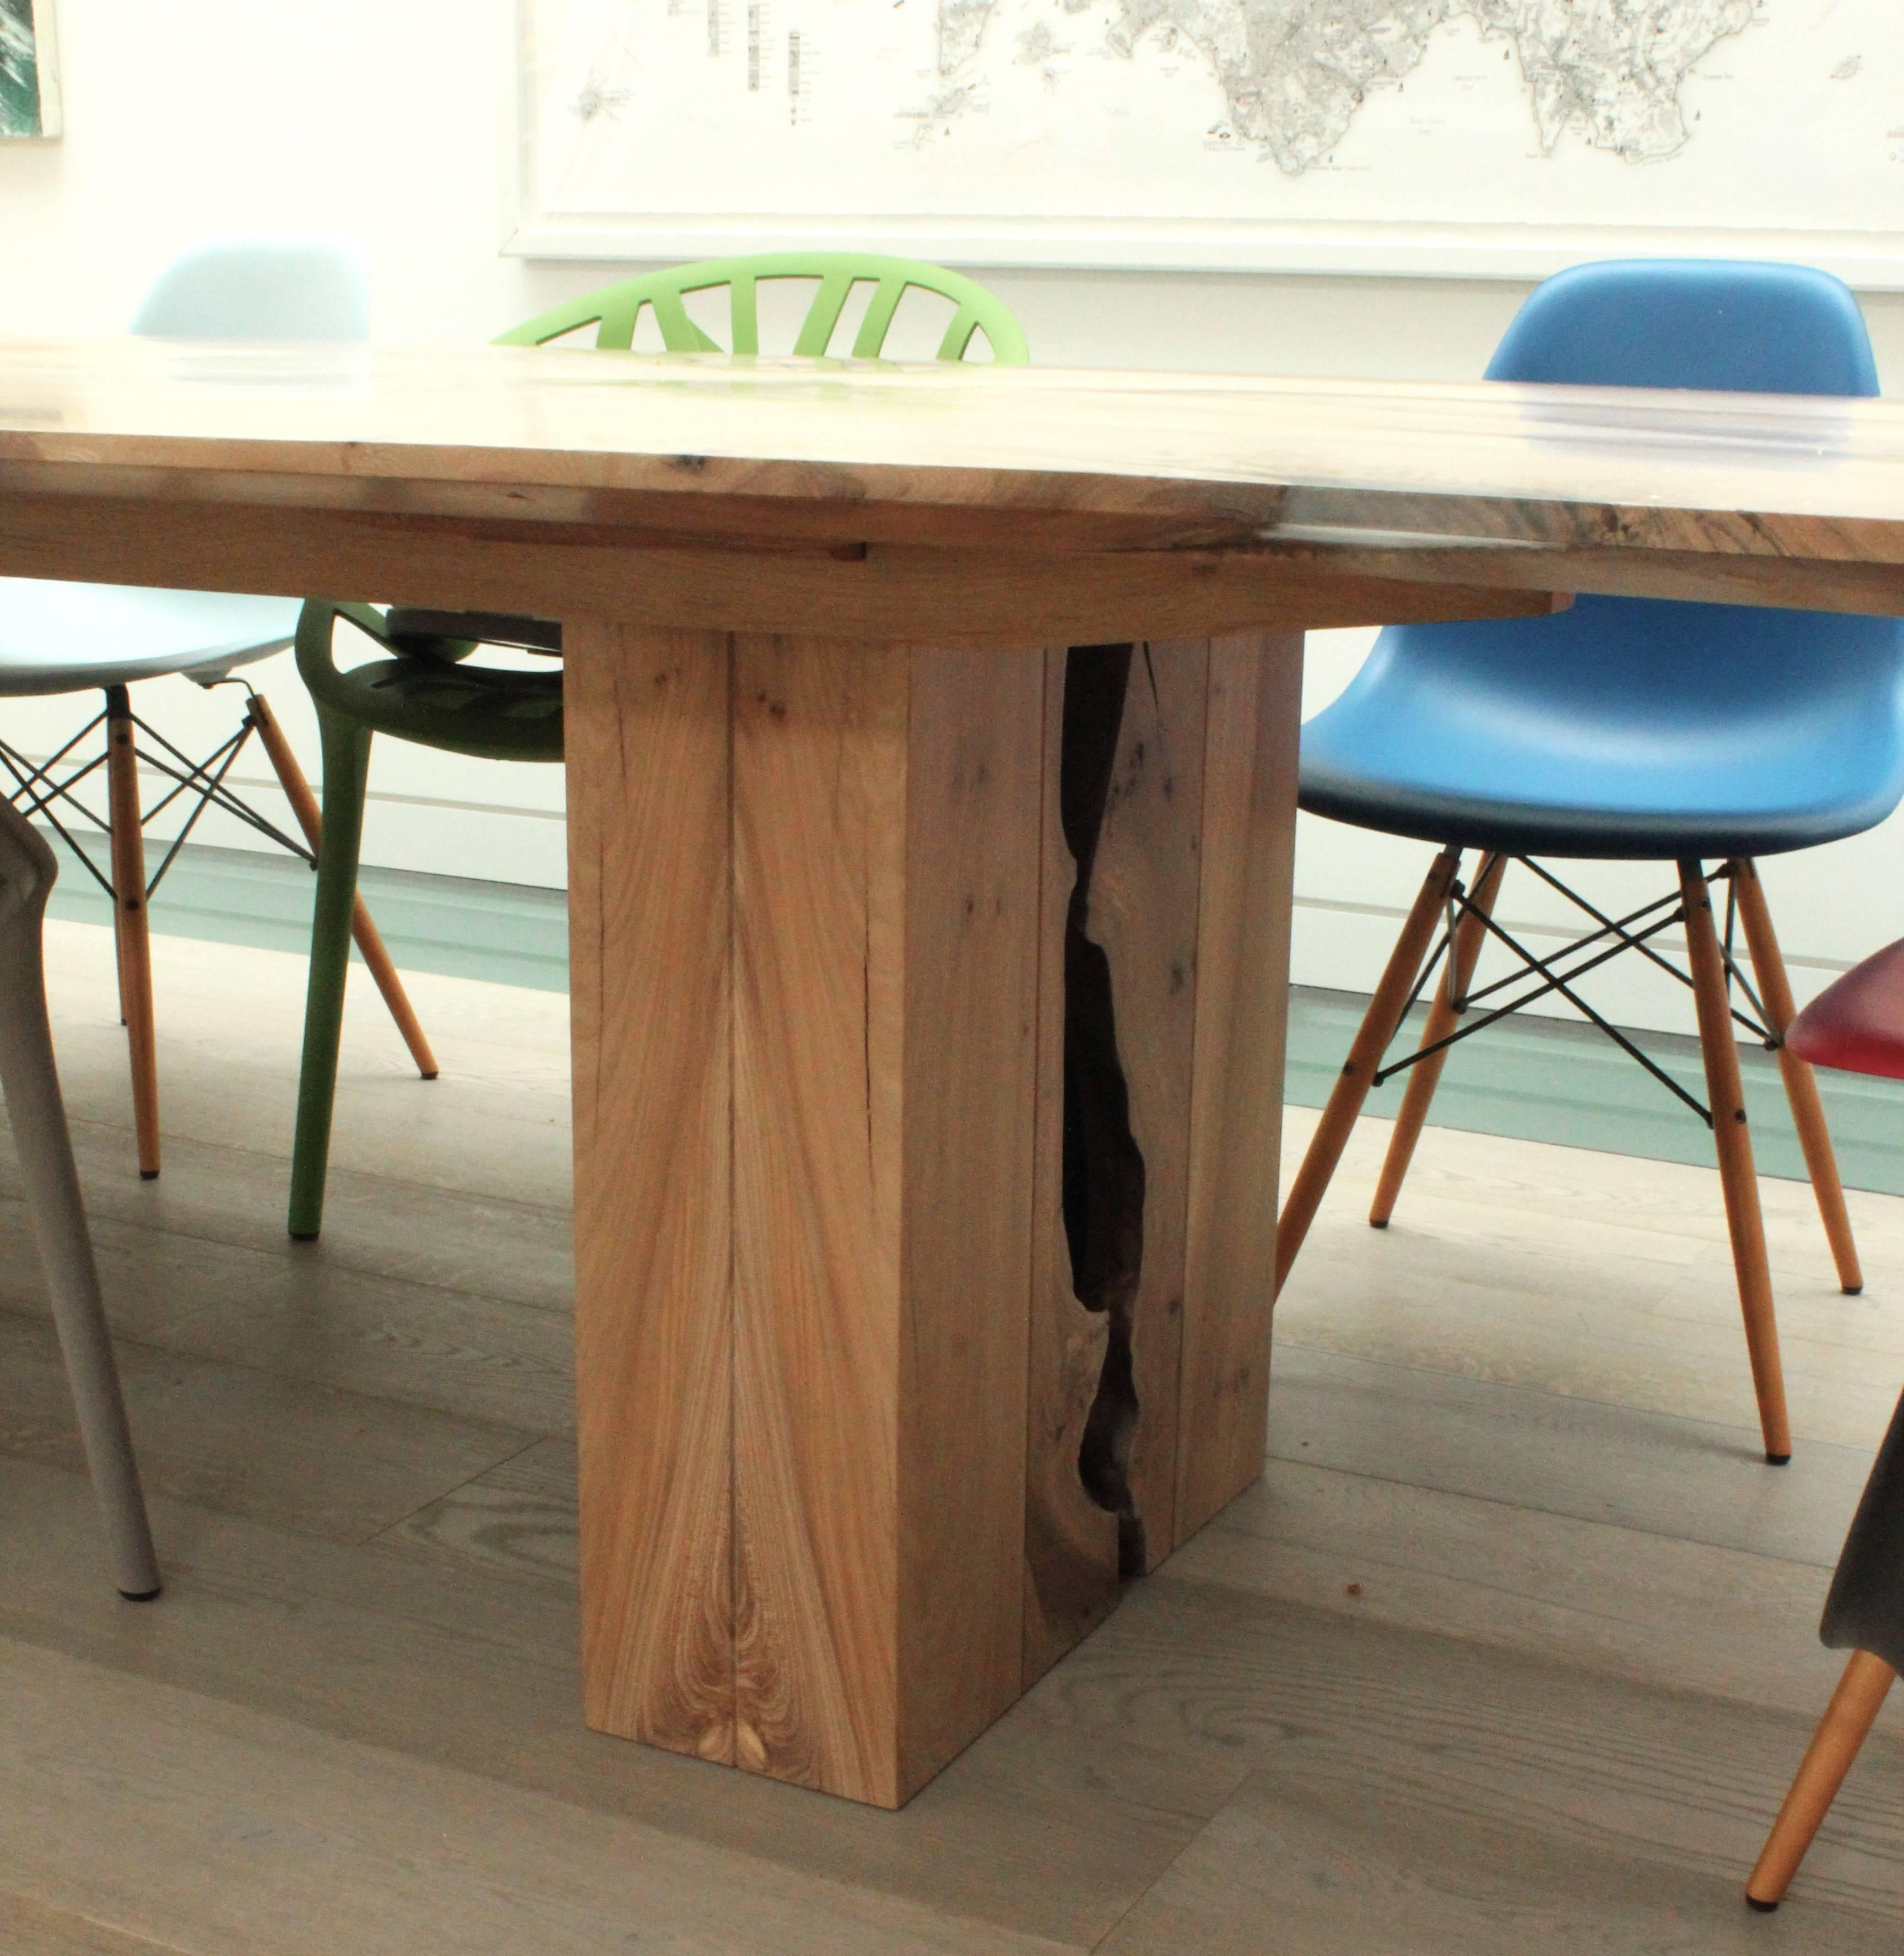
1247,869
1726,1094
646,729
128,845
815,1071
1425,1075
364,933
805,942
886,818
1801,1083
1854,1708
1163,991
1352,1084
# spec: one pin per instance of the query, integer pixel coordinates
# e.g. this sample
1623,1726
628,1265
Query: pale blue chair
1624,728
67,638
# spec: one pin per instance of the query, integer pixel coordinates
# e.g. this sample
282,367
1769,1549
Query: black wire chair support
1557,974
39,793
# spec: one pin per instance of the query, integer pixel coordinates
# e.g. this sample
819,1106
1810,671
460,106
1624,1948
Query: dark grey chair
1856,1024
1864,1614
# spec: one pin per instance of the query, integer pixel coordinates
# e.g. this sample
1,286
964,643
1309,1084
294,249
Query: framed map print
1502,138
29,69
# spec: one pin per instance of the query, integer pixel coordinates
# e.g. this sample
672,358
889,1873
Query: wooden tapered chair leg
369,940
1352,1084
128,848
1425,1075
1847,1719
1725,1093
1801,1083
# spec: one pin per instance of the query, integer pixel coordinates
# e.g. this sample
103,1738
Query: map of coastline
1294,72
1468,137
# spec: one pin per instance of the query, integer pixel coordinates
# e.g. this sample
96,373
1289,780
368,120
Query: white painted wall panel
205,117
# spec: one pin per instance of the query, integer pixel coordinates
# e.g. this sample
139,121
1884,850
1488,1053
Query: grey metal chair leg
38,1116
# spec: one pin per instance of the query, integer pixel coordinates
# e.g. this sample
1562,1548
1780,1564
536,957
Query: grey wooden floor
1513,1648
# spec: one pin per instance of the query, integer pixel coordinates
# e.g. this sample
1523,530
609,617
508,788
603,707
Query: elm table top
1019,458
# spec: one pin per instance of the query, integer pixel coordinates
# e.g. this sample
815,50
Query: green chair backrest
616,311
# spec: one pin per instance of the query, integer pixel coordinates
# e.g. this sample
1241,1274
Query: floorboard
1512,1647
1390,1747
1689,1479
30,1927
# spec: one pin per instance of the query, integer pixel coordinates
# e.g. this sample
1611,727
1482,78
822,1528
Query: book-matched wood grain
885,817
1249,830
974,809
820,751
646,731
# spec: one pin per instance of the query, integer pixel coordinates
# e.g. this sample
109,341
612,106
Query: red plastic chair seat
1857,1024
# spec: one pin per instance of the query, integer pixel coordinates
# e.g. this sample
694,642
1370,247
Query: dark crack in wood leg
1127,906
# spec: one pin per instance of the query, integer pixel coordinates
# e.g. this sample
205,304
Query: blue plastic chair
1624,728
67,638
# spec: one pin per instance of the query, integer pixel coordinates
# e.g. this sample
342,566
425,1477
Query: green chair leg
347,760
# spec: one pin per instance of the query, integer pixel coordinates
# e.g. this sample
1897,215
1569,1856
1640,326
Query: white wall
187,118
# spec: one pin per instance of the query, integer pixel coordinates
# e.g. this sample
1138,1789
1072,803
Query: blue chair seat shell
1628,727
1619,728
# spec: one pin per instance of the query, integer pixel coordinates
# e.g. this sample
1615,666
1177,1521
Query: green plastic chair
424,687
616,311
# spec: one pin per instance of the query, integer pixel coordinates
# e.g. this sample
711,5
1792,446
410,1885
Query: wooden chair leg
1425,1075
128,847
1854,1706
1725,1093
1352,1084
1801,1083
38,1117
370,941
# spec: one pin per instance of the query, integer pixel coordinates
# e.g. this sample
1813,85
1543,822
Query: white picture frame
31,110
1868,259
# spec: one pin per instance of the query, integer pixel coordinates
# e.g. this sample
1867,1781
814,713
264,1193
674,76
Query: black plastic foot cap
1378,1221
427,1076
303,1235
1778,1459
148,1174
1854,1290
139,1595
1764,1908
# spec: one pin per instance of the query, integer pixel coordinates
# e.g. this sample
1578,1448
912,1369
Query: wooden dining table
931,747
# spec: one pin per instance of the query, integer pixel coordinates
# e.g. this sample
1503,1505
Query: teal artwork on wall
29,69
